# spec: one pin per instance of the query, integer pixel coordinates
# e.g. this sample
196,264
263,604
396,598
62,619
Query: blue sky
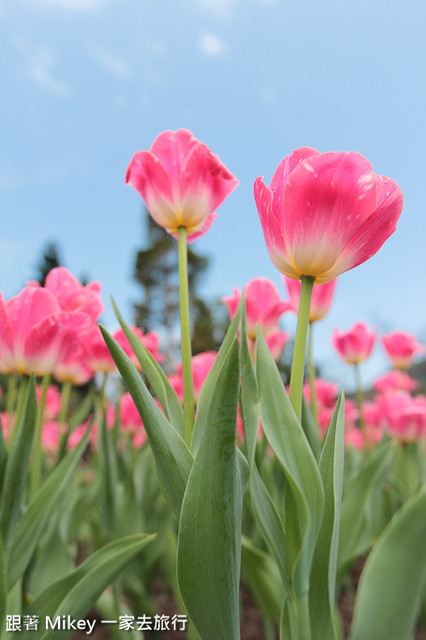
86,83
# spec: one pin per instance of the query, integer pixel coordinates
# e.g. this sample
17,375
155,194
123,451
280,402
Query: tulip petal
274,238
374,232
172,148
327,198
6,339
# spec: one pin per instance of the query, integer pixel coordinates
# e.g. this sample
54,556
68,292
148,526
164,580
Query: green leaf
261,574
32,523
310,428
249,395
305,498
172,456
207,389
391,583
209,542
3,457
17,464
270,524
355,537
76,593
155,375
323,574
3,582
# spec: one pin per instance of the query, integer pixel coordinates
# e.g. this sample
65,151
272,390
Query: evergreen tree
156,271
50,259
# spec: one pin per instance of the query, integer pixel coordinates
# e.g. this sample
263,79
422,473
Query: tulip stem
298,364
359,402
36,459
188,384
311,374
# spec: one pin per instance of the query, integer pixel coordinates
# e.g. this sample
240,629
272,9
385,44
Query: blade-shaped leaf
156,377
209,542
17,464
355,536
323,574
305,496
209,383
172,456
392,581
32,523
310,428
76,593
249,402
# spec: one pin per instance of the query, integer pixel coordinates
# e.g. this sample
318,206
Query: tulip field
224,499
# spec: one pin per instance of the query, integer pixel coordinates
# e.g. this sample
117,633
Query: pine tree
50,259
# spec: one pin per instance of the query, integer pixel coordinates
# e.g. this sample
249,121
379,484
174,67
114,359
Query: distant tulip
404,415
401,348
35,334
201,365
325,213
395,381
322,297
74,369
354,345
326,392
181,182
263,307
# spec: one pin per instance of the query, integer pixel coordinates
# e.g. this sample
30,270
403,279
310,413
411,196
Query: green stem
19,409
62,419
298,609
36,457
311,374
188,385
12,388
298,364
359,402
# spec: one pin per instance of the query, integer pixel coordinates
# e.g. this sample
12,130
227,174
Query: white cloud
212,45
40,63
111,62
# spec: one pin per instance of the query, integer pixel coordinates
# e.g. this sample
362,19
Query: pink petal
7,359
327,198
28,309
172,149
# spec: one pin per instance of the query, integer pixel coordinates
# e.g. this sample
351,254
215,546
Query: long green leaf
156,377
17,465
76,593
355,537
32,523
249,396
172,456
392,581
305,498
323,574
207,389
209,542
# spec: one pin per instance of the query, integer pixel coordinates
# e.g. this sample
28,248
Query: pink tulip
130,419
322,297
263,307
325,392
181,182
35,334
74,369
395,381
404,416
201,365
149,340
401,348
355,345
325,213
71,294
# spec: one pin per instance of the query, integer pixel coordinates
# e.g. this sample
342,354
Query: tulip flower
322,297
263,307
181,182
201,365
395,381
325,213
35,333
404,415
354,345
401,348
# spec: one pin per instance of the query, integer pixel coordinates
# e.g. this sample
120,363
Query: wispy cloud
114,64
40,62
212,45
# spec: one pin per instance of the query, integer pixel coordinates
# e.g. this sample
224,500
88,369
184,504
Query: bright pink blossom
71,294
401,348
325,213
354,345
263,307
395,381
201,365
74,369
181,182
35,333
404,416
325,392
322,297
